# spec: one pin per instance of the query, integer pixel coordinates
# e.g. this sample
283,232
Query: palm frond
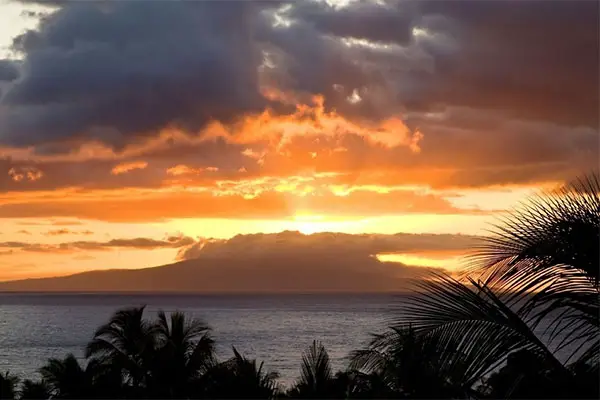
32,390
126,332
8,385
316,367
181,332
202,355
544,259
556,228
128,342
472,328
248,376
375,356
65,377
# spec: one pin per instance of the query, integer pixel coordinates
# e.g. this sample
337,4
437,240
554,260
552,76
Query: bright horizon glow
418,223
26,265
309,224
451,262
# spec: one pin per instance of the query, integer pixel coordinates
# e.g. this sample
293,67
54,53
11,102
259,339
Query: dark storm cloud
378,22
526,71
8,71
538,59
313,55
121,69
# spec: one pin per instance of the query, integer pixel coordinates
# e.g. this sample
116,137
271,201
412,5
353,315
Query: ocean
271,328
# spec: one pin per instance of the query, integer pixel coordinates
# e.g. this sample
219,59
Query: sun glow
450,262
309,224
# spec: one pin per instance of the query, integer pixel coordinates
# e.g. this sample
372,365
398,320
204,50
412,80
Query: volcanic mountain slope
230,273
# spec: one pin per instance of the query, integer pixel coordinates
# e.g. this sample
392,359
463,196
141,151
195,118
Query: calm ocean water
271,328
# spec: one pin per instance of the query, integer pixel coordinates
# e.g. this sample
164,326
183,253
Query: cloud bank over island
283,262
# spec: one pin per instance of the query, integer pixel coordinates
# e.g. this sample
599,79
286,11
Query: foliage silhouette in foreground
8,385
540,264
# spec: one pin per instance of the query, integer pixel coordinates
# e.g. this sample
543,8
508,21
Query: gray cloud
379,22
121,69
8,71
291,244
537,60
453,53
133,243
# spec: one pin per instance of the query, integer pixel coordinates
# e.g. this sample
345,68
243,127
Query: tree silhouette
238,377
67,379
184,352
127,343
541,263
8,383
34,390
401,363
316,375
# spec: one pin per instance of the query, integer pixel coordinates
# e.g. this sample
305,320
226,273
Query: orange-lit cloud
64,231
313,121
24,174
181,169
264,198
51,222
127,167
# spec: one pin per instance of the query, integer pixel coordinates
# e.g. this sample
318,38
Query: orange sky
310,187
96,177
112,209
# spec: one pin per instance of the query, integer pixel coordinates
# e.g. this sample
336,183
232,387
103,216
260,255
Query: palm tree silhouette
34,390
401,363
185,351
541,264
8,384
316,375
68,379
238,377
127,343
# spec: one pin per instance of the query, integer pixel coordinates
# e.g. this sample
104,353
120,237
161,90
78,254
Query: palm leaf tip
316,368
557,228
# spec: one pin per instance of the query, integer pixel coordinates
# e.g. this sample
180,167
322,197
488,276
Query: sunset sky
135,134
